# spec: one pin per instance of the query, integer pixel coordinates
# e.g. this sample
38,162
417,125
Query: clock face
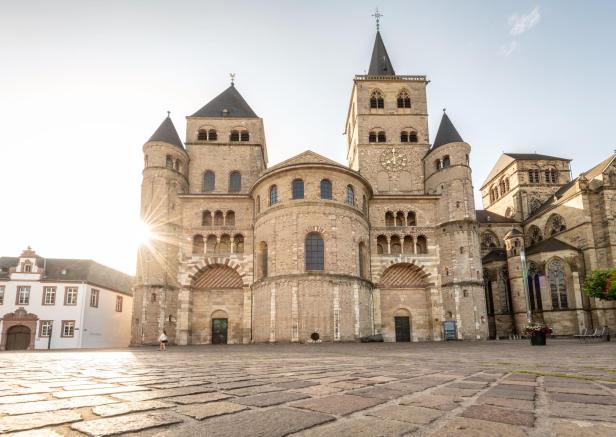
392,160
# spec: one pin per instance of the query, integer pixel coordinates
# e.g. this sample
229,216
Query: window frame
205,182
235,181
329,186
297,189
70,324
18,295
349,197
119,304
45,328
53,289
94,297
2,291
66,295
273,195
314,246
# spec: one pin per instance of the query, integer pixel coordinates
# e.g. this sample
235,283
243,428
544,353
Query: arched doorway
405,304
18,338
218,306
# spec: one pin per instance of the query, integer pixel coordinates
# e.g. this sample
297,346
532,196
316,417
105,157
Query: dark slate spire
229,103
380,65
447,133
166,133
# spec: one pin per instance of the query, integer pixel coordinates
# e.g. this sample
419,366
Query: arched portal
217,306
406,312
18,338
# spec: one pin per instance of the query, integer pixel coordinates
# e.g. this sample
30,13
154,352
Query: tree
601,283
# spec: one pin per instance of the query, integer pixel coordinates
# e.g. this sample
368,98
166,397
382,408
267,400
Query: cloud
520,24
507,49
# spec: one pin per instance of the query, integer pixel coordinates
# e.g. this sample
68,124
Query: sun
143,234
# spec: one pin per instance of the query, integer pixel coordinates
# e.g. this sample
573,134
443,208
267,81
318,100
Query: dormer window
26,266
376,100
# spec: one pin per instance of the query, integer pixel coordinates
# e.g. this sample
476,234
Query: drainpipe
83,311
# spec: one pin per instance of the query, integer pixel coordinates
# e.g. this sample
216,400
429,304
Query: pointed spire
166,133
229,103
447,133
380,65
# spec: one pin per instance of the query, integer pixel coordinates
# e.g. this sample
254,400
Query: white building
62,303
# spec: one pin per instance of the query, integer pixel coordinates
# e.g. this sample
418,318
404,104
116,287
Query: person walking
163,341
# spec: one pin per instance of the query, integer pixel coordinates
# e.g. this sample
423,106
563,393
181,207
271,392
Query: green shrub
601,283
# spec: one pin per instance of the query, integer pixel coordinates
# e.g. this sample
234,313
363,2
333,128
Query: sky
83,84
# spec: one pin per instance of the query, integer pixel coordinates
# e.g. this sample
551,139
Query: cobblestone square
500,388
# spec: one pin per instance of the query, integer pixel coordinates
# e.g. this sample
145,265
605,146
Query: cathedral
311,250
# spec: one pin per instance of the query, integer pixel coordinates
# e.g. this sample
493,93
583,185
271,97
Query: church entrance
18,338
403,329
219,331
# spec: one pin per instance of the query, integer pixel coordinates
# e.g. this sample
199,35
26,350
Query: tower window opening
404,100
446,161
169,161
350,195
380,137
372,137
235,182
326,189
297,188
273,195
244,136
234,136
376,100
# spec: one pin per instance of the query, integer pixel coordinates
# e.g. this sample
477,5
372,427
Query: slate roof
535,157
77,270
496,254
447,133
550,245
231,100
307,157
513,233
166,133
380,65
484,216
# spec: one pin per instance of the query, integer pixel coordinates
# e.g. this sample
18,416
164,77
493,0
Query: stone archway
405,303
19,318
217,305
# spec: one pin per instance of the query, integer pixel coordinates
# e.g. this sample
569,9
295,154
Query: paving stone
514,387
129,407
296,384
585,399
338,404
468,385
452,391
240,384
124,424
581,429
275,422
37,420
20,398
506,402
199,398
165,393
510,394
97,391
407,413
43,432
482,378
584,390
465,427
582,411
318,390
61,404
443,403
522,377
499,414
347,385
204,411
379,393
258,389
269,399
89,386
360,427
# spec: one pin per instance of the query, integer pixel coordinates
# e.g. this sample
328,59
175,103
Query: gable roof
550,245
166,133
380,65
231,101
307,157
507,158
447,133
535,157
484,216
496,254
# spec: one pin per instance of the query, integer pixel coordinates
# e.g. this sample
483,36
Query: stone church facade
311,249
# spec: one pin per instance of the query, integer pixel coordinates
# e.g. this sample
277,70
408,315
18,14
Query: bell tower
387,125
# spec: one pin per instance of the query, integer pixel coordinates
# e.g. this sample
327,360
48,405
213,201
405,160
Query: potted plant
538,333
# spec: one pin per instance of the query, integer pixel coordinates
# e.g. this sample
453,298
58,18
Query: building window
169,161
68,328
422,244
273,195
446,162
244,136
262,260
533,176
2,295
389,219
206,218
315,252
297,188
411,219
235,182
207,135
26,266
230,218
45,328
202,135
372,137
404,100
212,135
219,219
558,288
238,243
376,100
70,296
381,245
350,195
326,189
209,181
49,295
555,224
239,135
23,295
534,288
94,298
198,245
234,136
551,176
395,246
408,137
258,204
119,301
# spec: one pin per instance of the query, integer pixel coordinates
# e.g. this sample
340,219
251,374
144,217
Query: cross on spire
377,15
168,114
232,76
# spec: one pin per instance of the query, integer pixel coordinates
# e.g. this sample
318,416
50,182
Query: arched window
372,137
202,135
376,99
244,136
230,218
506,299
412,137
404,100
506,184
555,224
212,135
234,135
225,244
211,243
437,164
209,181
238,243
381,245
262,257
422,244
534,235
509,212
411,219
400,218
394,245
235,182
315,252
363,260
380,137
404,137
501,187
350,195
488,241
534,288
297,189
558,287
407,244
364,205
446,161
273,195
326,189
389,219
258,204
169,161
206,218
197,245
533,176
219,218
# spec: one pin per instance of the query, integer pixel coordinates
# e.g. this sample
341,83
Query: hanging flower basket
538,334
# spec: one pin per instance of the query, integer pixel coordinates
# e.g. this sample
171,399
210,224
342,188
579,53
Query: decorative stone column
247,316
184,321
376,311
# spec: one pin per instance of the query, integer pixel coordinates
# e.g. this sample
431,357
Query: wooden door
18,338
403,329
219,331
